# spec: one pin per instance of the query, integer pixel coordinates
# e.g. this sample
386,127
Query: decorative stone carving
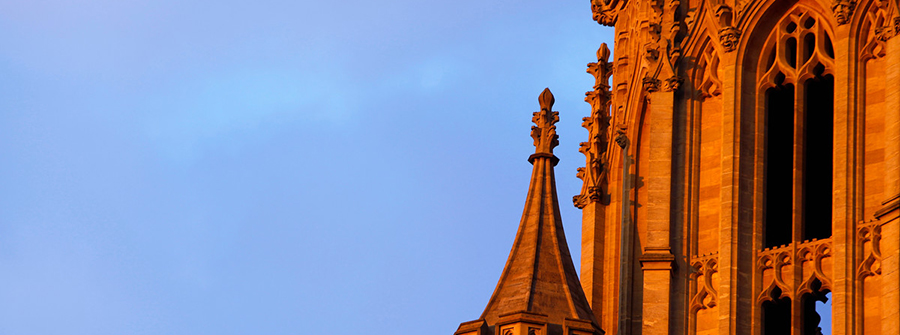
775,259
814,251
673,83
791,64
884,33
604,17
879,31
606,12
594,174
729,37
710,85
544,130
651,52
621,138
674,54
705,293
650,84
724,14
774,263
869,239
843,10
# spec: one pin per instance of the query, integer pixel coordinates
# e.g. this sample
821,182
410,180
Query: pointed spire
539,283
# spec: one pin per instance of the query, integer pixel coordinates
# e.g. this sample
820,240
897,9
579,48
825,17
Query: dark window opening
809,45
791,51
779,167
829,49
777,315
809,22
818,153
816,313
771,60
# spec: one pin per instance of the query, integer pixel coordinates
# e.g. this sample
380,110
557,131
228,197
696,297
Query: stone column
657,258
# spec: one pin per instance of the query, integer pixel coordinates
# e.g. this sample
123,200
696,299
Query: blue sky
274,167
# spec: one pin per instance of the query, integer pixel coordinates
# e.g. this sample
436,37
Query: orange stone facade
742,164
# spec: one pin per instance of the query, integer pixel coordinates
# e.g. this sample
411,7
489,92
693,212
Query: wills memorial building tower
742,165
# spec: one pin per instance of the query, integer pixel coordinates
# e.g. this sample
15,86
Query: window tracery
796,78
795,83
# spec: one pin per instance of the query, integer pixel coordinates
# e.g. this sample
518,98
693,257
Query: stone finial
544,130
602,69
603,53
593,175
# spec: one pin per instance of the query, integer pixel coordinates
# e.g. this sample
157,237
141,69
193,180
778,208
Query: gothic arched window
797,81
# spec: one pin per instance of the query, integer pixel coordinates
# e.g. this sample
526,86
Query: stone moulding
888,206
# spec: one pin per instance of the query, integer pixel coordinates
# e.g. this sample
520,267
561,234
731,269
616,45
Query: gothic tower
755,169
742,166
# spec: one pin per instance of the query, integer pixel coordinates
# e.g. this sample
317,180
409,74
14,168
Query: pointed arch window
796,79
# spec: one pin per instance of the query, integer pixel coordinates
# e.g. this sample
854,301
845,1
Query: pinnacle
539,276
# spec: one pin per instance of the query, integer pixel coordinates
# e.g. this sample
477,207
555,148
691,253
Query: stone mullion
799,163
728,221
798,221
796,306
843,222
691,196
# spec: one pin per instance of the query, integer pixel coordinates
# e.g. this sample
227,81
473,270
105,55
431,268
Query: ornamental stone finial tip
546,99
603,52
544,130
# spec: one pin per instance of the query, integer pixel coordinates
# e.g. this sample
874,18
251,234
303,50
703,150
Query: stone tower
742,165
754,168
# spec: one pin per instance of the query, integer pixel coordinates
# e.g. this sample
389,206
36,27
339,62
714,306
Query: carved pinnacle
544,130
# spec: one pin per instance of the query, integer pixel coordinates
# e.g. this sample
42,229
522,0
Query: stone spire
538,292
